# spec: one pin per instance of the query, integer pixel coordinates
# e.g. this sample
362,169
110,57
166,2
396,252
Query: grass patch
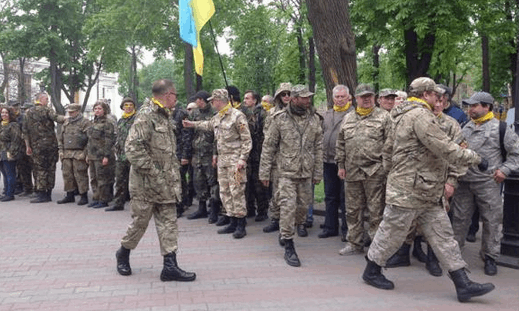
319,192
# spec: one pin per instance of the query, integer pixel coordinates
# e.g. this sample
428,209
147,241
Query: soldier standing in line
72,142
154,181
281,100
386,99
10,149
415,153
234,143
294,141
122,165
188,189
25,163
358,155
41,143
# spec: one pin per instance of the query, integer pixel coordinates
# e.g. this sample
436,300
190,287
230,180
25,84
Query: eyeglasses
189,109
284,94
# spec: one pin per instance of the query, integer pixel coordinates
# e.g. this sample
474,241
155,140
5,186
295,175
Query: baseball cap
220,94
364,89
387,92
479,97
300,90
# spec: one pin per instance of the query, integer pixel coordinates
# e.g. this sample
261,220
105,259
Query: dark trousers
9,172
333,199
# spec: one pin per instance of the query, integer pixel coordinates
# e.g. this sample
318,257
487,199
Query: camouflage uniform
294,142
415,154
10,151
233,143
72,142
122,166
39,133
24,163
188,190
101,139
359,151
154,178
478,189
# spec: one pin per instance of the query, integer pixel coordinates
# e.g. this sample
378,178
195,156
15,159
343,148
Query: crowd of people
412,165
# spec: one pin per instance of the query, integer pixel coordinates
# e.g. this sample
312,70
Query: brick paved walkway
61,257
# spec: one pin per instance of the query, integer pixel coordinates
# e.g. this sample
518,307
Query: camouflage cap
14,103
283,87
300,90
422,84
387,92
127,100
74,107
479,97
27,105
220,94
364,89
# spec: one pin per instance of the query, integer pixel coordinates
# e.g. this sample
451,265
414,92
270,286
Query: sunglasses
283,94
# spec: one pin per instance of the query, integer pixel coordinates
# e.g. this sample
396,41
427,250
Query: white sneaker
349,249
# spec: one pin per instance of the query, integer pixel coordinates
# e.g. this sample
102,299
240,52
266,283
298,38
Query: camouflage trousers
232,190
360,196
122,180
292,193
256,193
75,175
436,228
101,180
165,216
24,172
486,195
44,168
274,200
204,178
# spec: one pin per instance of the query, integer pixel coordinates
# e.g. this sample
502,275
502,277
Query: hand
187,123
184,162
105,161
499,177
341,173
265,183
28,150
448,191
483,165
241,164
215,161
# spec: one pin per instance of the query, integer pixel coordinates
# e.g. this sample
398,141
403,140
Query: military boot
84,199
465,288
231,227
213,211
69,198
114,208
49,195
374,277
223,220
201,212
291,257
432,264
418,252
400,258
273,226
171,271
123,261
240,228
41,197
180,209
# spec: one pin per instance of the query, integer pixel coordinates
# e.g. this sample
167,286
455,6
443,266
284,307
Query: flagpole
217,52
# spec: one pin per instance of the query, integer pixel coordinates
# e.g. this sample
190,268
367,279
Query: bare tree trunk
5,65
199,82
335,42
188,71
21,81
311,65
376,66
91,83
418,53
515,80
485,63
302,55
55,83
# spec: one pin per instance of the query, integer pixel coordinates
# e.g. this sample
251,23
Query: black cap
203,95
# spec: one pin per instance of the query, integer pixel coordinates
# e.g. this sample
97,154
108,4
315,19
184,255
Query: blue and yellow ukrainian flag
193,16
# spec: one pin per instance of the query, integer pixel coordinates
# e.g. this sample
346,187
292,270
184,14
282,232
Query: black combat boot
400,258
69,198
374,277
213,211
273,226
201,212
290,254
84,199
467,289
171,271
418,252
180,209
114,208
301,230
231,227
240,228
42,197
432,264
123,261
281,241
49,195
223,220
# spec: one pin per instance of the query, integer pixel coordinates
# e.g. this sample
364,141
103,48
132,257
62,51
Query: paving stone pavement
61,257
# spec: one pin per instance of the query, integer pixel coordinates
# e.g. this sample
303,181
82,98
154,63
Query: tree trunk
188,71
133,75
376,66
311,65
91,83
418,53
302,55
485,63
199,83
5,65
335,42
21,81
55,83
515,80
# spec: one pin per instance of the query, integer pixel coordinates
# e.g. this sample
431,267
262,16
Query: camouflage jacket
484,139
268,118
360,142
123,128
331,126
295,143
150,148
177,116
415,153
452,128
73,138
199,144
101,139
10,142
252,119
231,131
38,127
